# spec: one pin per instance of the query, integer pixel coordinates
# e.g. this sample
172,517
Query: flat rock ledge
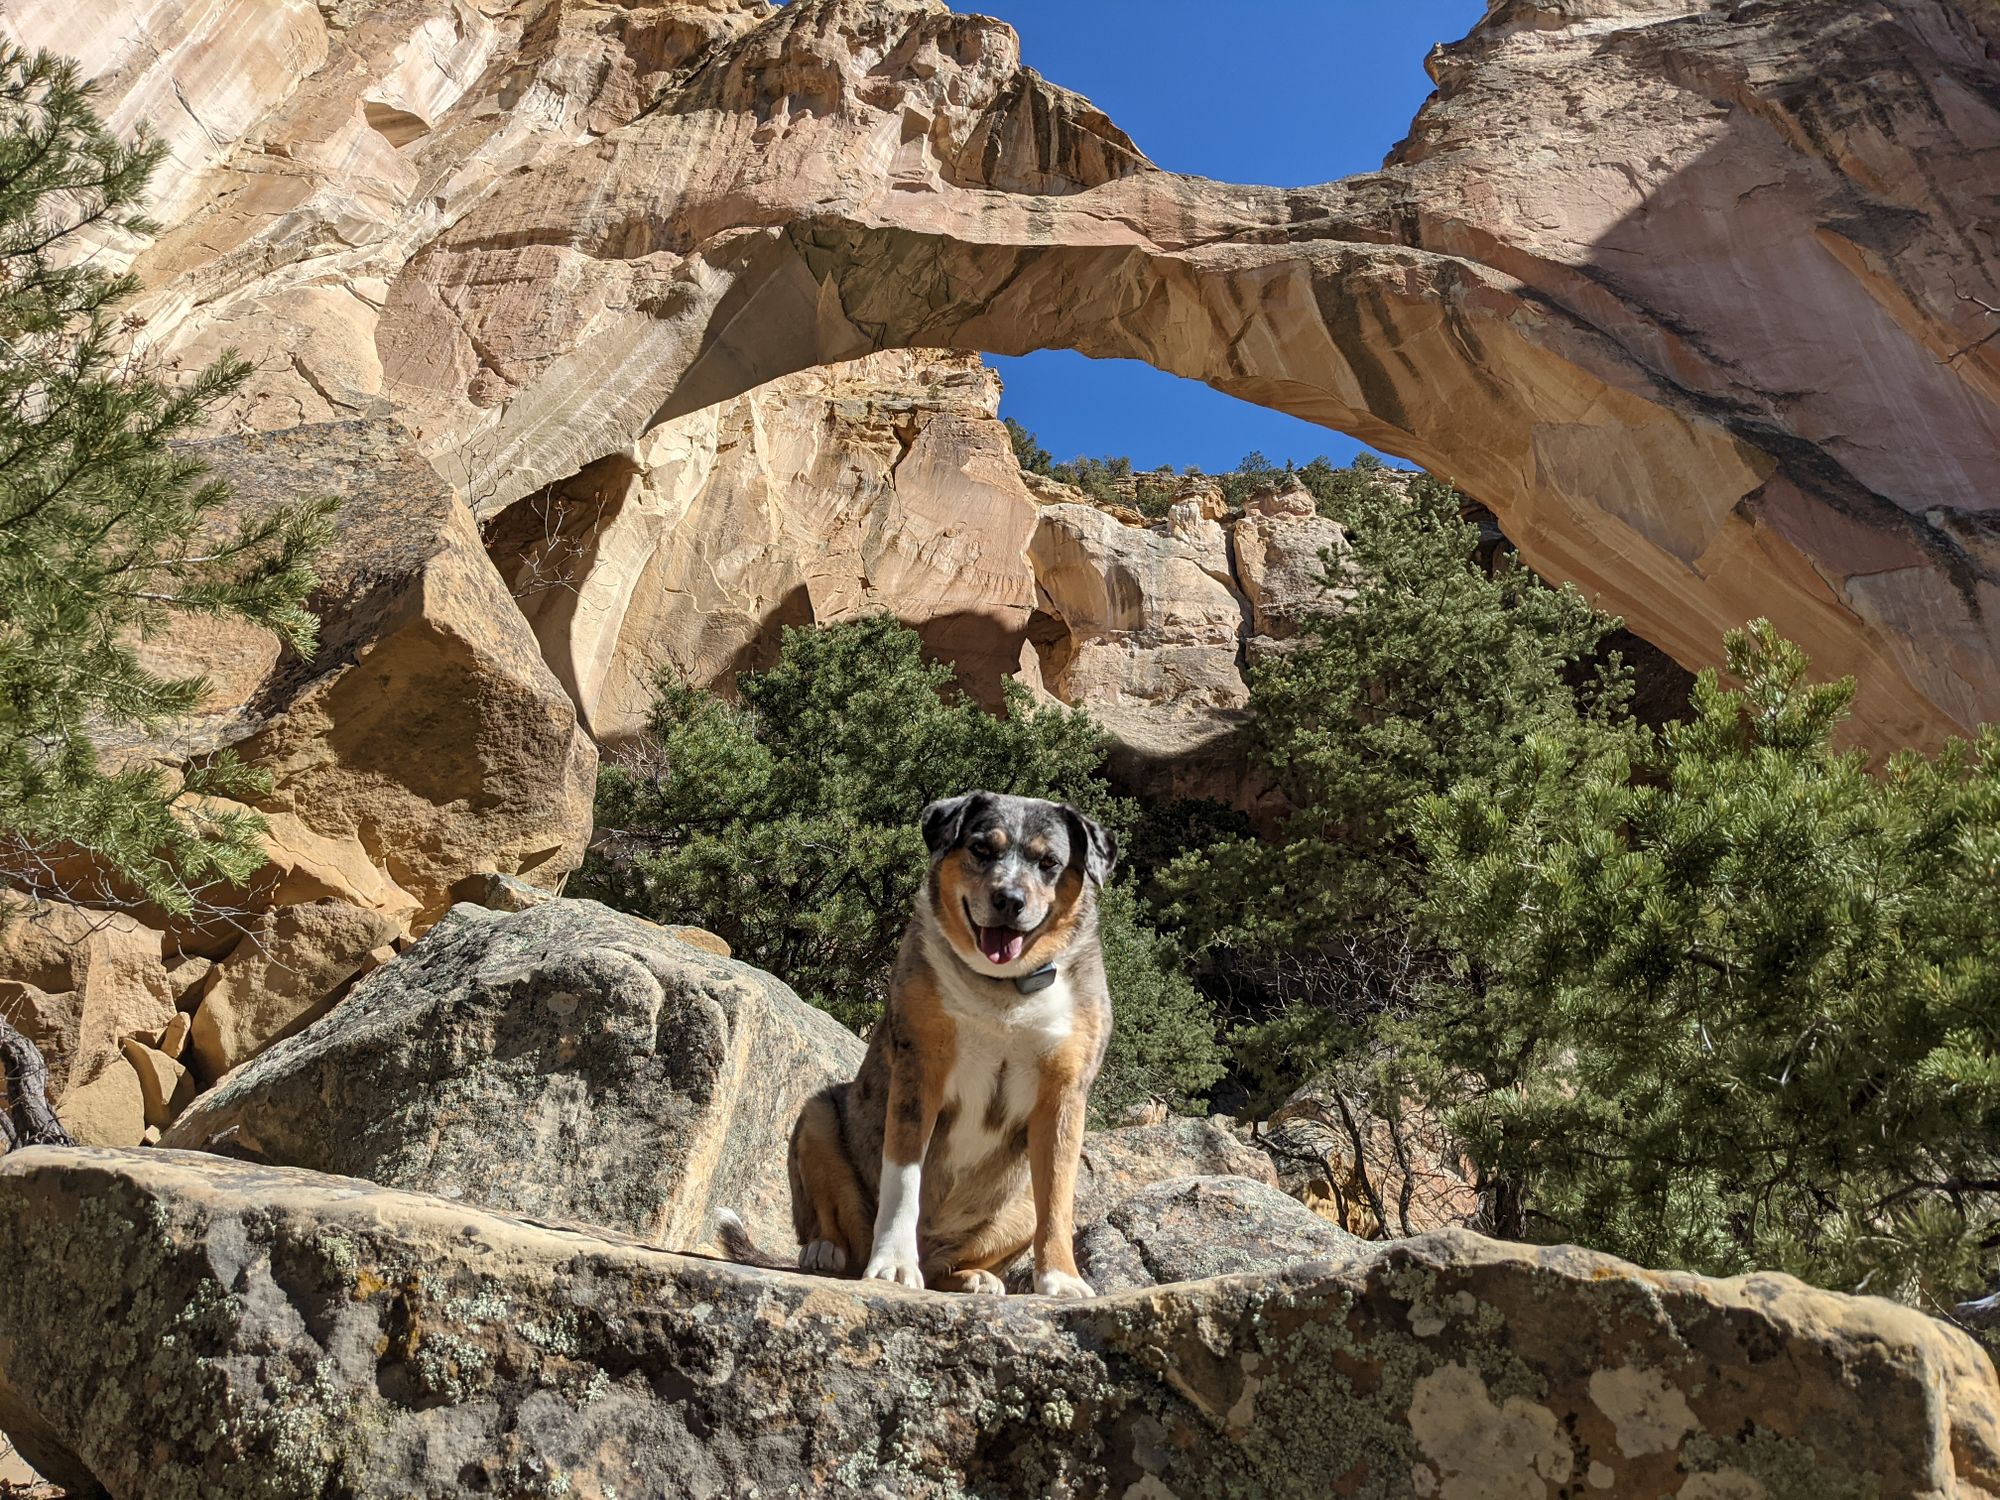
179,1325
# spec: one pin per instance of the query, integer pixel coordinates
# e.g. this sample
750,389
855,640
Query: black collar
1041,979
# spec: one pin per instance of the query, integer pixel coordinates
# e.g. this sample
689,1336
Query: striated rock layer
175,1324
889,484
1695,295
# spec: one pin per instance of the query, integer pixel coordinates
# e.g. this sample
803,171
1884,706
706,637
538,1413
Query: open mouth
998,945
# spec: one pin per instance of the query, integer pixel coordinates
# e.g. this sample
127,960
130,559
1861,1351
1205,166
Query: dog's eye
1050,864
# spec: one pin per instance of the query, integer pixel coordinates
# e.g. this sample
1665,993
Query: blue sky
1286,92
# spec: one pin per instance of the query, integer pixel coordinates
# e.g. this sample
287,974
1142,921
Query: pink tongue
1001,945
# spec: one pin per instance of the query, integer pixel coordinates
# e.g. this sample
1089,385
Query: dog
956,1146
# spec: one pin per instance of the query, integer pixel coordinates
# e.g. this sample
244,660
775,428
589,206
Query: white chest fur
996,1066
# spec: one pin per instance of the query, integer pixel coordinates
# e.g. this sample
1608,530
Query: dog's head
1012,876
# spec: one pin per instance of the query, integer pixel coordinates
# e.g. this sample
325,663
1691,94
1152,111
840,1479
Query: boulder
110,1110
497,892
1186,1228
284,974
565,1062
165,1086
77,982
1120,1161
174,1039
426,741
174,1324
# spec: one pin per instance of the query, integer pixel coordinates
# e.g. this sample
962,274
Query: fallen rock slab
1187,1228
176,1324
563,1061
285,972
1119,1161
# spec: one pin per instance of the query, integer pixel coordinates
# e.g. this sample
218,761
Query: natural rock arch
1655,452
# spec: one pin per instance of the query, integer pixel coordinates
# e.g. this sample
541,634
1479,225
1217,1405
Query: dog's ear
944,818
1098,845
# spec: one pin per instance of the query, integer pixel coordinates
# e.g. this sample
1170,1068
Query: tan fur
828,1200
986,1085
1055,1145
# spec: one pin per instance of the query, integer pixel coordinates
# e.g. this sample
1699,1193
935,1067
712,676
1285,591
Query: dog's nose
1007,903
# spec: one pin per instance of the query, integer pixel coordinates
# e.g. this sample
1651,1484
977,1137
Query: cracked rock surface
176,1325
567,1062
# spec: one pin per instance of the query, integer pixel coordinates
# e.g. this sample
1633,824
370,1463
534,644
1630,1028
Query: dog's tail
734,1236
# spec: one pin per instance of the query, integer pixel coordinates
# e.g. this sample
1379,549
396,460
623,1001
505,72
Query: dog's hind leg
971,1264
829,1209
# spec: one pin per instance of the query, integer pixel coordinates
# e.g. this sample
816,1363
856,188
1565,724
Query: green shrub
1431,673
787,823
1727,999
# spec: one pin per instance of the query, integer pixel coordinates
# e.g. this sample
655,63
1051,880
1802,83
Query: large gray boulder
1120,1161
564,1062
1187,1228
175,1325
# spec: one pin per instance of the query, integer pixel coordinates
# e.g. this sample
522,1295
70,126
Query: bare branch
30,1121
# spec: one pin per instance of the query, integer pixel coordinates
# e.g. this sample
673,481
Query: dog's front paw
823,1255
1061,1284
892,1265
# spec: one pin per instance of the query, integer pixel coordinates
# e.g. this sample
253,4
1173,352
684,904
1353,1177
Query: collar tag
1041,979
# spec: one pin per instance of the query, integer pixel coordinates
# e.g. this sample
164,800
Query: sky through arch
1284,92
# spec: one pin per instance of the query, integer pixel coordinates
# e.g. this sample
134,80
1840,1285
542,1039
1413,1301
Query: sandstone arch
1695,297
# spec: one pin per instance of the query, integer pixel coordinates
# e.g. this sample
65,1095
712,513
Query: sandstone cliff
1694,296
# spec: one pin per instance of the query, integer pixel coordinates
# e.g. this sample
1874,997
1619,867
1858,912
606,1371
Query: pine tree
108,530
1728,998
1432,671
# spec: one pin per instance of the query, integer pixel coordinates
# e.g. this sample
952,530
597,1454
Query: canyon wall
1696,297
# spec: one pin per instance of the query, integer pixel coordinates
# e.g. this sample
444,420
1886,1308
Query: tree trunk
28,1121
1506,1209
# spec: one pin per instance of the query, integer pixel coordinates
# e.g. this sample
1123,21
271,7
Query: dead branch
28,1121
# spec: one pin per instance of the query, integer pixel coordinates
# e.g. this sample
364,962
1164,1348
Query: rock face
884,484
1188,1228
1690,294
1146,620
565,1062
888,483
1284,548
174,1324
